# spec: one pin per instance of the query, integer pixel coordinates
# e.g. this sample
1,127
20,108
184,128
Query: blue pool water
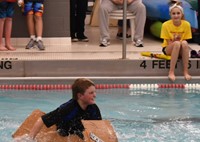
138,115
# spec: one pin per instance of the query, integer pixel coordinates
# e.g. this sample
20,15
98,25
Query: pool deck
87,59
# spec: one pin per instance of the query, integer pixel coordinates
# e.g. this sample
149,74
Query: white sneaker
104,43
139,43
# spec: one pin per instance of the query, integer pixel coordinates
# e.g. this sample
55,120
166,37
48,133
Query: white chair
118,14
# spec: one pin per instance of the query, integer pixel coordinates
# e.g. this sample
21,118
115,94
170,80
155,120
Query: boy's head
80,85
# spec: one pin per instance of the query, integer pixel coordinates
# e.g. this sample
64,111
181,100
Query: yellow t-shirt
169,31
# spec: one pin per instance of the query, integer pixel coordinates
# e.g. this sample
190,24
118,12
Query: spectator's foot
74,39
104,43
128,36
172,77
10,48
139,43
40,45
120,36
2,48
187,76
31,44
83,38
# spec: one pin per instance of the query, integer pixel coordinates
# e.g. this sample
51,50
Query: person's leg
30,24
28,12
120,29
39,31
8,26
6,11
31,30
173,50
38,24
81,15
8,30
2,21
128,29
106,6
37,19
138,8
73,20
120,25
185,59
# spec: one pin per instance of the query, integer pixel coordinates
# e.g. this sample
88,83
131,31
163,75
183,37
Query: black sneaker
83,39
120,36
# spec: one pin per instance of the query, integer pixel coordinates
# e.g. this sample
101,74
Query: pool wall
103,68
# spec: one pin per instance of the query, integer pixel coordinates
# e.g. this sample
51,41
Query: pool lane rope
98,86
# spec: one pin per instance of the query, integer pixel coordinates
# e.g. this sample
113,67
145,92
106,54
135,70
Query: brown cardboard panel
96,129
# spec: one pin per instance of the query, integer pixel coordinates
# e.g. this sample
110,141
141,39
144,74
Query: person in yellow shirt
175,33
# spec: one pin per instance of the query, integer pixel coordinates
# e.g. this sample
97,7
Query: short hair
80,85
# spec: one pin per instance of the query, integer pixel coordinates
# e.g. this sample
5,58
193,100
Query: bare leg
38,25
8,30
30,24
173,61
185,59
2,21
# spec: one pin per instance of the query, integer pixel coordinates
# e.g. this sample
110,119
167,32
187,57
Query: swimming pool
137,115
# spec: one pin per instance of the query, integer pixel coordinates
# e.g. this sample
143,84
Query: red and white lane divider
98,86
36,86
132,86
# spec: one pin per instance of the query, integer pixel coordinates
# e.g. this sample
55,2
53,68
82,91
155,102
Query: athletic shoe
40,45
30,44
139,43
104,43
74,39
83,38
120,36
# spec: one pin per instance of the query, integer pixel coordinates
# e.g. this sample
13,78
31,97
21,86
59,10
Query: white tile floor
89,50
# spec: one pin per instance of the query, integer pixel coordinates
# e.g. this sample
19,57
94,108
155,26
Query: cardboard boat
95,131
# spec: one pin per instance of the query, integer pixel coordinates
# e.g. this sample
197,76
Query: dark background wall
55,19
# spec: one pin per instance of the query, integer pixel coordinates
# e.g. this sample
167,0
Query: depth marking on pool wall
6,65
165,64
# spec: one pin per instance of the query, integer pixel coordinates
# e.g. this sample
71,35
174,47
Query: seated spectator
135,6
175,33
